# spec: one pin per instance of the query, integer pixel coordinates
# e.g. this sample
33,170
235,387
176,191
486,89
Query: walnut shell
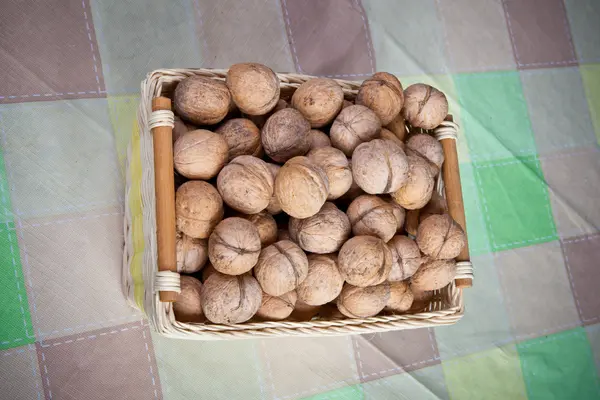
417,190
266,225
383,94
434,274
323,282
336,167
301,187
198,209
365,261
230,299
281,267
424,106
180,128
346,103
286,135
188,304
303,311
319,100
428,148
354,125
200,154
325,232
201,101
386,134
398,127
379,166
234,246
440,237
401,297
363,302
276,308
246,184
399,213
242,137
371,215
318,139
273,208
406,258
254,87
192,253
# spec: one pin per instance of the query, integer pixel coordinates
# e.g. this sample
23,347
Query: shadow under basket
144,284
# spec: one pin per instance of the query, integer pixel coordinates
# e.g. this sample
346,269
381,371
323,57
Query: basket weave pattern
446,308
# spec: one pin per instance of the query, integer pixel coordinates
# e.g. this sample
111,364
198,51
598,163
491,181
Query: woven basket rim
446,310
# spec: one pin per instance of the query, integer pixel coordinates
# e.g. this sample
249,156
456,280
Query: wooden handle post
454,198
165,196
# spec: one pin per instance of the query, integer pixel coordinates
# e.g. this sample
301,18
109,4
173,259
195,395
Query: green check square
479,242
515,203
353,392
559,366
494,115
493,374
15,328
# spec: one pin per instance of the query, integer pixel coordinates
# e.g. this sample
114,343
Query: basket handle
164,186
454,198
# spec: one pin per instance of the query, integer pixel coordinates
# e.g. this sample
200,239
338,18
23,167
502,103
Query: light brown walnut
353,126
201,101
254,87
198,209
365,261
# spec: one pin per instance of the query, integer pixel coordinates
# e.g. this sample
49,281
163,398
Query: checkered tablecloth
523,80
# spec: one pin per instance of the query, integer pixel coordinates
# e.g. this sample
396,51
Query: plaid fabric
523,80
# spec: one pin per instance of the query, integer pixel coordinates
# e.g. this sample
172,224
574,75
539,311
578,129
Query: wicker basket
142,281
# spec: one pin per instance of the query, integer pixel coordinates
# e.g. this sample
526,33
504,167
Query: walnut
383,94
301,187
371,215
319,100
323,282
354,125
365,261
242,137
281,267
230,299
424,106
234,246
246,184
254,87
200,154
198,209
363,302
201,101
440,237
379,166
286,135
324,232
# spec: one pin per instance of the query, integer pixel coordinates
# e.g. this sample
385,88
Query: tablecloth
523,80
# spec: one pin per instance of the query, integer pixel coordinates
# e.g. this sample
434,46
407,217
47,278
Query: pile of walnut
293,206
